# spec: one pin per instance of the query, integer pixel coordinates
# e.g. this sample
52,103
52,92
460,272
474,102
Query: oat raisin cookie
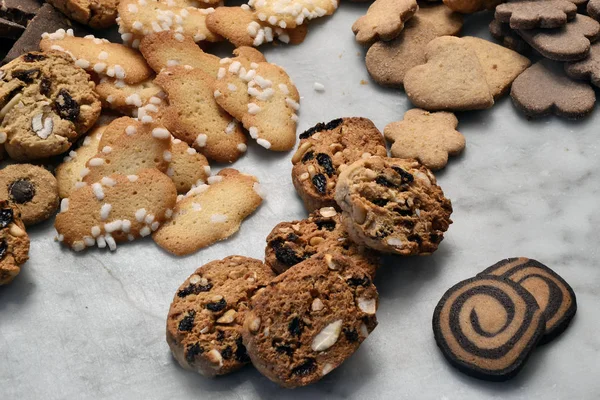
290,243
324,150
14,242
310,319
204,326
97,14
47,103
393,205
33,189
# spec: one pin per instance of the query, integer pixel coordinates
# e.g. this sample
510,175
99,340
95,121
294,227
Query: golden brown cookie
98,14
187,168
384,20
127,99
14,242
283,14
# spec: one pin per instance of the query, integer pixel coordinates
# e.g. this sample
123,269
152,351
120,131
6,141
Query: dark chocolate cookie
14,242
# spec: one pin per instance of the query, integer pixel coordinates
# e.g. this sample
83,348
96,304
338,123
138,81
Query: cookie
451,79
98,14
194,117
530,14
324,150
384,20
487,326
388,62
553,294
187,167
14,242
10,30
33,189
47,103
509,38
204,325
310,319
471,6
127,99
290,243
428,137
545,89
568,43
393,205
210,213
285,14
118,208
19,11
588,68
593,9
100,56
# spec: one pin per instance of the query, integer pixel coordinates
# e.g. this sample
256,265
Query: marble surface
91,326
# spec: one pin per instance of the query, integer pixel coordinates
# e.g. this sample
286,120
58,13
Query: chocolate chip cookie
14,242
393,205
325,150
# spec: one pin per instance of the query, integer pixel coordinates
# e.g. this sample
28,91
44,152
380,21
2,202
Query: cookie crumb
363,82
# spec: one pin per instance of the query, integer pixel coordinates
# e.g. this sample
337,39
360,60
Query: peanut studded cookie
310,319
14,242
32,188
290,243
393,205
98,14
204,326
47,103
325,150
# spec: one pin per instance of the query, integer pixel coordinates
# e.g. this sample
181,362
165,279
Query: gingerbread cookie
284,14
530,14
324,150
502,32
127,99
325,308
384,20
14,242
98,14
187,167
204,325
428,137
544,89
593,9
588,68
471,6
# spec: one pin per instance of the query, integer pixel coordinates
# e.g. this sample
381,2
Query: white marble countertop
92,325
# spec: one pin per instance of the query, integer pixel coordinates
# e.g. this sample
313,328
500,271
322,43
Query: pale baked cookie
384,20
210,213
97,14
291,13
119,208
393,205
127,99
204,325
33,189
46,104
324,150
310,319
290,243
187,167
14,242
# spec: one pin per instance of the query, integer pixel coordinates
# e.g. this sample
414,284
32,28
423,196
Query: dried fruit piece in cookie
289,14
502,32
384,20
545,89
324,150
98,14
471,6
204,326
33,189
553,294
14,242
393,205
194,117
290,243
529,14
588,68
428,137
487,326
120,208
310,319
46,104
127,99
452,79
187,167
210,213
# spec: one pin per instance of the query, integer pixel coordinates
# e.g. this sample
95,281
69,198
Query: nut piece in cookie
187,168
310,319
204,326
284,14
324,150
384,20
33,189
98,14
529,14
14,242
393,205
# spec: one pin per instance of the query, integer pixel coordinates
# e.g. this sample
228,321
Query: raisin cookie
393,205
14,242
32,188
204,326
310,319
47,103
290,243
324,150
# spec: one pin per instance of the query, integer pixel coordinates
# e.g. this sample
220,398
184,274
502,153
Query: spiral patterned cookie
487,326
553,295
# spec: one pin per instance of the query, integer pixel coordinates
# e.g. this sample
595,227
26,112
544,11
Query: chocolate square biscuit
19,11
10,30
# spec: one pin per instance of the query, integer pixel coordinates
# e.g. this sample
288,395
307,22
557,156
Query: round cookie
33,189
310,319
553,294
205,320
487,326
393,205
46,104
290,243
14,242
324,150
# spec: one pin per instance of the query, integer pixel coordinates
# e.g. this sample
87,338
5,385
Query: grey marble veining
91,326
